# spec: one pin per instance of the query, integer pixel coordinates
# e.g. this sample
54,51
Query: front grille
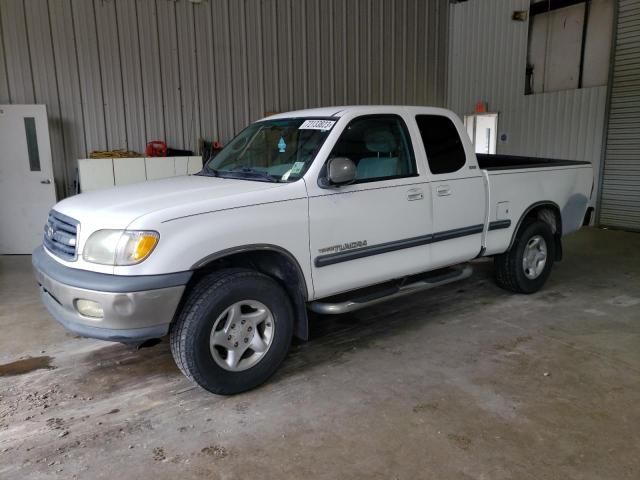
61,235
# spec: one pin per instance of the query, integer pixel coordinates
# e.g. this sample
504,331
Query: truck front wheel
233,331
527,265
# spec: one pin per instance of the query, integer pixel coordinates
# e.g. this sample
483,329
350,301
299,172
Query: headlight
119,247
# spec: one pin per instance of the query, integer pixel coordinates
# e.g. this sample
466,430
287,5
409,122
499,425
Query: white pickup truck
329,209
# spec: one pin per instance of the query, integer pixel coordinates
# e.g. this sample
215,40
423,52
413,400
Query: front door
27,191
377,228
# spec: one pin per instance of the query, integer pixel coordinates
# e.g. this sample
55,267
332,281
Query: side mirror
341,171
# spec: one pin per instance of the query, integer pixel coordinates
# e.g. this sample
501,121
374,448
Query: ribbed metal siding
487,59
118,73
620,205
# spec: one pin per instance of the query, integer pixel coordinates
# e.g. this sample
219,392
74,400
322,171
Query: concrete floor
463,382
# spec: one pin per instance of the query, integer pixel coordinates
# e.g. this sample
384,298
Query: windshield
272,150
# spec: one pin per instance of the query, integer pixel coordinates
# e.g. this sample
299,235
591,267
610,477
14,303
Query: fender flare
299,296
255,247
533,206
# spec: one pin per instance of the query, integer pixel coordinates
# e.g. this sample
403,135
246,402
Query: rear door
377,228
457,191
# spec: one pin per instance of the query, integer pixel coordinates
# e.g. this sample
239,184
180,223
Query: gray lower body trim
457,233
74,277
123,335
127,316
333,258
499,224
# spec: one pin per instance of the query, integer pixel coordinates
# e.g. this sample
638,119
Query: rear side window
442,143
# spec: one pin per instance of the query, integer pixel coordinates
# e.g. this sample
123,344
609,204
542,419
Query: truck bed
512,162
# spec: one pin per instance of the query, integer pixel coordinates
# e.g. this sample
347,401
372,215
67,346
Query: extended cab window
379,146
442,143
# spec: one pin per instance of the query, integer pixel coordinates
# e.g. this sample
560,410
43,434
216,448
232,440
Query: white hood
148,205
118,207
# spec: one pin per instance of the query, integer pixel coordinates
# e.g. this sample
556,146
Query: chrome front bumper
129,316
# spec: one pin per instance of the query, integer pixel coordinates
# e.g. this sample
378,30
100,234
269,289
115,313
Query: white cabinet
99,173
96,174
126,171
160,167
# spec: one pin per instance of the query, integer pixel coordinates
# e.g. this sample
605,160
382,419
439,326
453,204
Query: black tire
509,271
190,334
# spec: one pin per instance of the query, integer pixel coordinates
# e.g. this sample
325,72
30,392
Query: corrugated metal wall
487,60
620,205
117,73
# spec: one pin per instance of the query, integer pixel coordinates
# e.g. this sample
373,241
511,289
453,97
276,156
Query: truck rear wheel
233,331
527,265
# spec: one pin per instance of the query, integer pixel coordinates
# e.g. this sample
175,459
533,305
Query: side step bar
334,308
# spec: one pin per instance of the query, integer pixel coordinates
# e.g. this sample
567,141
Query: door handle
46,182
414,194
443,190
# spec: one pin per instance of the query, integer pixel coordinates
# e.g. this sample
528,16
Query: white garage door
620,200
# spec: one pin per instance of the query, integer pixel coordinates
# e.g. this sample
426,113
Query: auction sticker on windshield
317,125
297,168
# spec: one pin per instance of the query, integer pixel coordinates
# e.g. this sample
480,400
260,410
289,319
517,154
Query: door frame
418,180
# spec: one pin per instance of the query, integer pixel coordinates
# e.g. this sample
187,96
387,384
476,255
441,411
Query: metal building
117,73
601,123
620,201
487,60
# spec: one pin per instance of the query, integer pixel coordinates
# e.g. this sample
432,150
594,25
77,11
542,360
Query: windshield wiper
207,171
251,173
